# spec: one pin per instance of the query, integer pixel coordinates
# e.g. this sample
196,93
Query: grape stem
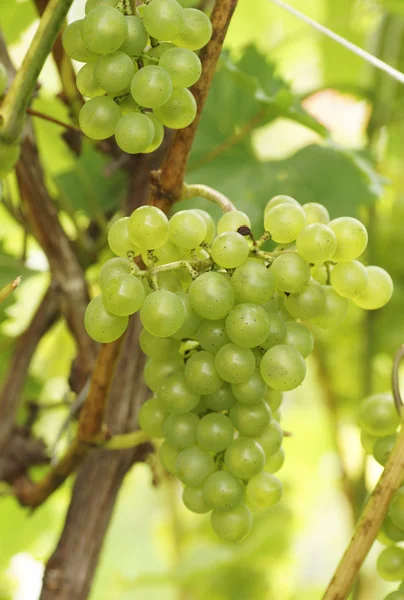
19,95
9,288
126,440
204,191
395,384
200,265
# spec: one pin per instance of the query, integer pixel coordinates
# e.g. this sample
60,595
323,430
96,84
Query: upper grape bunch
138,69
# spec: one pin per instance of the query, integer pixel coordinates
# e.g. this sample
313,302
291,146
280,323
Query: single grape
212,295
180,430
123,295
151,87
91,4
263,490
383,447
222,491
232,220
187,229
175,396
378,415
119,239
195,32
209,222
253,283
114,72
251,391
156,347
179,111
275,462
277,200
157,371
163,19
290,272
273,398
277,331
148,227
212,335
308,303
165,254
284,222
378,289
316,213
316,243
192,319
368,440
250,420
98,118
151,418
235,364
248,325
321,273
127,104
335,309
183,66
349,278
74,45
194,500
230,250
114,268
396,511
283,368
104,29
168,455
194,466
158,133
87,83
214,432
301,338
393,533
136,39
232,525
244,458
201,374
158,51
223,399
168,280
162,313
134,133
101,325
271,439
352,238
390,564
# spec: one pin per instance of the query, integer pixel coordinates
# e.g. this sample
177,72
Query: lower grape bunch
224,336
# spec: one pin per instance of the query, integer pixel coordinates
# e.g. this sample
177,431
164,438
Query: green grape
316,243
283,368
368,440
209,222
98,118
183,66
252,419
123,295
335,309
223,399
148,227
316,213
180,430
201,375
91,4
349,278
284,222
188,3
151,418
119,239
137,37
244,458
214,432
273,398
230,250
251,391
263,490
9,155
157,371
158,133
127,105
378,290
235,364
232,220
222,491
167,280
276,416
390,564
308,303
187,229
179,111
156,347
134,133
74,45
378,415
248,325
212,335
352,238
290,272
114,71
165,254
277,331
383,447
194,500
104,29
195,32
151,87
275,462
158,51
87,83
253,283
163,19
168,455
397,508
277,200
194,466
392,532
162,313
301,338
271,439
192,319
101,325
232,525
114,268
321,273
175,396
212,295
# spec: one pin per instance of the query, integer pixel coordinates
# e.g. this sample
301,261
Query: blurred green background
289,112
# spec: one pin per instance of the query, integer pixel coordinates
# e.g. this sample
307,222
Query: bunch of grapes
379,421
226,329
138,69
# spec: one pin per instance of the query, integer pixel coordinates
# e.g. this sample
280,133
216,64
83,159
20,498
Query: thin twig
44,117
395,383
204,191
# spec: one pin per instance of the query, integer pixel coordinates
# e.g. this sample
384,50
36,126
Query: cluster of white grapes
379,421
138,69
227,328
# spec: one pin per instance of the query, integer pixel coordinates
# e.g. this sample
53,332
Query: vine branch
204,191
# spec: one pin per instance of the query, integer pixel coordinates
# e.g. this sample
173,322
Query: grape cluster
138,69
224,337
379,421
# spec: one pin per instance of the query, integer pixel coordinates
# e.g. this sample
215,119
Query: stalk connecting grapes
138,69
227,327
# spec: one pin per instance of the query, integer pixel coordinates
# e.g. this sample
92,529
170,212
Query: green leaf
16,17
